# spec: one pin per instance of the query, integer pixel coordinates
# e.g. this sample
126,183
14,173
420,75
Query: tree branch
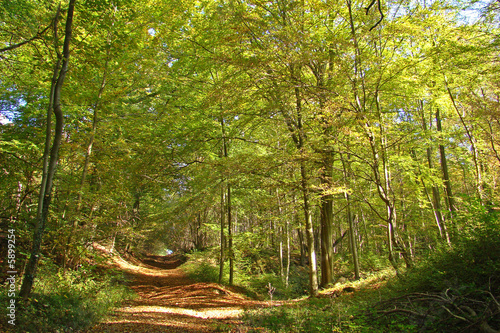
37,36
379,7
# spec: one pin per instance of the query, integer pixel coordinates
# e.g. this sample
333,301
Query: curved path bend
168,301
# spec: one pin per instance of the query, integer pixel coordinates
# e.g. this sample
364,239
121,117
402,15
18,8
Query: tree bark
228,210
280,239
436,196
313,274
313,271
303,247
435,200
230,237
350,223
326,151
297,133
222,238
50,167
288,253
472,140
326,222
444,168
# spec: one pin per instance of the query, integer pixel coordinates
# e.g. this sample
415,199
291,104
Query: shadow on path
168,301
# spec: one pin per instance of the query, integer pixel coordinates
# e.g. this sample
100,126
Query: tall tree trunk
297,133
446,176
230,236
228,209
50,162
435,201
472,141
280,238
352,238
303,247
382,182
309,229
288,253
222,237
326,151
313,274
326,222
436,196
350,223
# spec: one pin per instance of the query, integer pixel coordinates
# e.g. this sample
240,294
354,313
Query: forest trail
168,301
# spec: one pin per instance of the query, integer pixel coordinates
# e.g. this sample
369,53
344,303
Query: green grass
328,313
443,286
68,302
453,289
252,274
201,267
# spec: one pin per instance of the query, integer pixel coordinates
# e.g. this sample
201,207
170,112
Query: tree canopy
250,125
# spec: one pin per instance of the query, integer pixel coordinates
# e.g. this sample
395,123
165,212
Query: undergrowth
253,272
453,289
66,302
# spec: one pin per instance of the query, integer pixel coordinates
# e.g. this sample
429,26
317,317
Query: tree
51,152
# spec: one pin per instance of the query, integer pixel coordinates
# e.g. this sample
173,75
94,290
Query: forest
336,160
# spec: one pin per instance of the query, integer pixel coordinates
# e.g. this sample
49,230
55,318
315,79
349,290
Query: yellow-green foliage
67,302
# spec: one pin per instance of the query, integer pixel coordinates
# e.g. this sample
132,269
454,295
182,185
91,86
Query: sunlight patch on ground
212,313
139,269
139,325
373,281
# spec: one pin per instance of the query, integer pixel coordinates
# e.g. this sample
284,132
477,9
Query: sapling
270,290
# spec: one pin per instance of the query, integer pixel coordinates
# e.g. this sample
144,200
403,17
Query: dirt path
168,301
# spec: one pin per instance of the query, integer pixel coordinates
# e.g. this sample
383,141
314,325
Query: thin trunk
50,168
280,255
436,203
492,141
88,151
382,182
436,197
391,208
230,237
472,141
352,237
326,221
280,238
288,253
303,248
382,191
350,223
444,168
365,229
222,238
228,209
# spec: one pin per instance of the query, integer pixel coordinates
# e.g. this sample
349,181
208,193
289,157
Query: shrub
459,282
67,302
473,259
200,267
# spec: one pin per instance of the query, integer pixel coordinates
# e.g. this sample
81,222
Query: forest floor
168,301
